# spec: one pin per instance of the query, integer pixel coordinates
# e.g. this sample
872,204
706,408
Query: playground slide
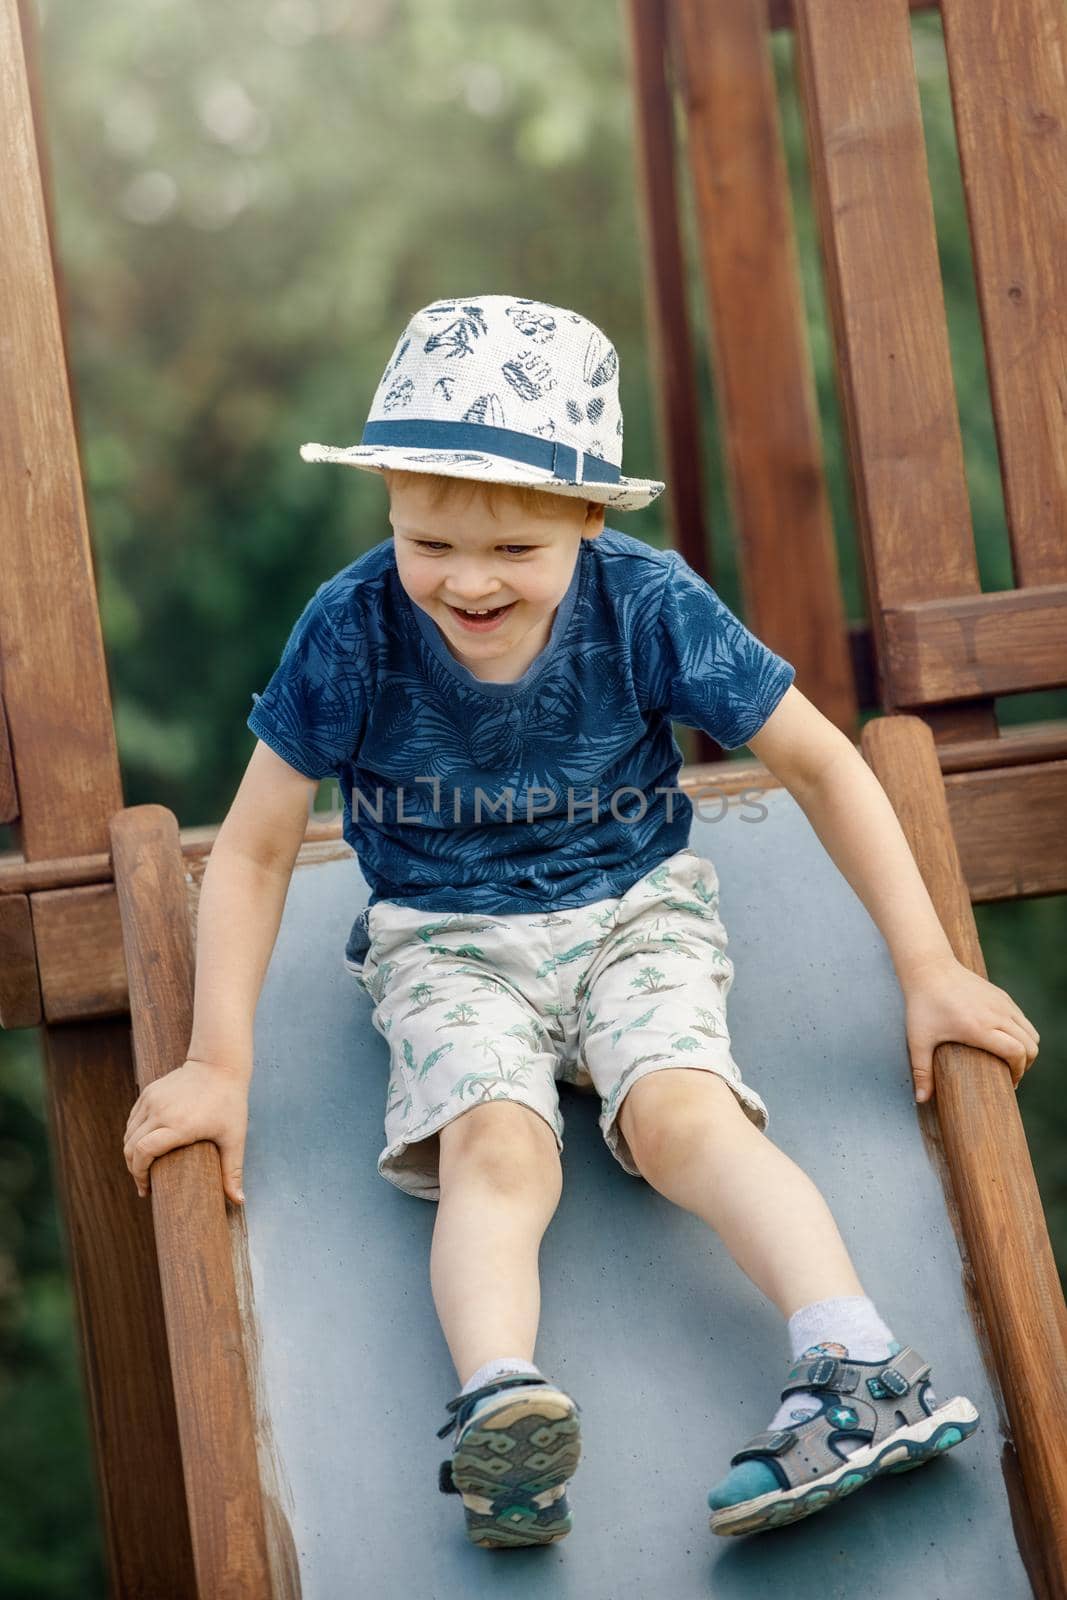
672,1354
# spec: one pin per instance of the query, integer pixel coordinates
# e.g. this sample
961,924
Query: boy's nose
474,593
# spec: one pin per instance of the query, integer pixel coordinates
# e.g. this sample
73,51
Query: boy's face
463,556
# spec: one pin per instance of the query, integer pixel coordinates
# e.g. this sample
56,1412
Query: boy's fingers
924,1079
1029,1028
1011,1051
136,1125
147,1149
1023,1040
231,1158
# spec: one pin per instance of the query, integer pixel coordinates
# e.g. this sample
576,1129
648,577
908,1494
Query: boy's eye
437,544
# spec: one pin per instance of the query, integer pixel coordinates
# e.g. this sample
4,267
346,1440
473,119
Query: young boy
494,687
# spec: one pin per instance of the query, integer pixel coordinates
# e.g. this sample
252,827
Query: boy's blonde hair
443,489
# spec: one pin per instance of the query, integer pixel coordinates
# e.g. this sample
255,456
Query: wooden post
59,727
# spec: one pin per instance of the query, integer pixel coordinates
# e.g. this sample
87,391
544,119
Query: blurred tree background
251,200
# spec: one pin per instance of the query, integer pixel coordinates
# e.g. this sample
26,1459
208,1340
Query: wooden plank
1009,92
78,937
1009,828
670,338
869,178
986,644
664,280
56,692
212,1391
985,1147
780,12
1018,745
20,989
762,363
89,1088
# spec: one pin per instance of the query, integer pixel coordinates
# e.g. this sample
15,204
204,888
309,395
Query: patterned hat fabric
501,390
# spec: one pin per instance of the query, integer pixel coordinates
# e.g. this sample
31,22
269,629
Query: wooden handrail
211,1384
999,1207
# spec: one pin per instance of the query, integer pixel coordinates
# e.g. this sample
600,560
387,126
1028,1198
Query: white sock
847,1326
850,1320
497,1369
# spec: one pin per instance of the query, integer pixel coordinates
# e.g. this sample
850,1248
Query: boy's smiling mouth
475,623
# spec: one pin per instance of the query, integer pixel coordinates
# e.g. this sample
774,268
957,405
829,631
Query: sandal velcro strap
825,1373
444,1479
775,1442
889,1381
899,1376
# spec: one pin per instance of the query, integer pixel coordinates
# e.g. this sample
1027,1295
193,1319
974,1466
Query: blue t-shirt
538,795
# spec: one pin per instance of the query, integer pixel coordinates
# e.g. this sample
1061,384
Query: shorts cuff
425,1182
751,1103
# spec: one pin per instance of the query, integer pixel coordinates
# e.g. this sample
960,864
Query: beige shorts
480,1007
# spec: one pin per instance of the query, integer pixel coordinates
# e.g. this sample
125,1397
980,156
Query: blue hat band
559,459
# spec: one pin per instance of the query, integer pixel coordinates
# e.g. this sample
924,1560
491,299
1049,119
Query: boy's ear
594,519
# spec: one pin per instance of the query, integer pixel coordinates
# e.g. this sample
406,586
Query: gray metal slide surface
672,1354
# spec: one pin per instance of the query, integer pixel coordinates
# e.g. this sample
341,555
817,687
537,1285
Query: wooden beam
64,774
78,937
761,359
1009,829
1010,102
122,1344
666,287
867,156
978,645
977,1115
56,695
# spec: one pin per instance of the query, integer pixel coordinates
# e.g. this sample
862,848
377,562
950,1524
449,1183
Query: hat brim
628,494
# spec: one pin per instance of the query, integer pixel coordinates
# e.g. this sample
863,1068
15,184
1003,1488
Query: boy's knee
509,1145
668,1110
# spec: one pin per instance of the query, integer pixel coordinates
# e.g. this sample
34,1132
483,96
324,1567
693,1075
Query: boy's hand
198,1100
947,1001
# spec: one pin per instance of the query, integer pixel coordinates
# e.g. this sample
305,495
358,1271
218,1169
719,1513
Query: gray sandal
882,1403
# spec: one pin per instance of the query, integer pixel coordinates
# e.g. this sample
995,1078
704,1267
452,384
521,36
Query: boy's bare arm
241,902
855,821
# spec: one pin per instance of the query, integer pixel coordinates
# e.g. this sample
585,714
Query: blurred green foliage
251,200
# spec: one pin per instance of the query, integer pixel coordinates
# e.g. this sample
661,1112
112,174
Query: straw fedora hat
501,390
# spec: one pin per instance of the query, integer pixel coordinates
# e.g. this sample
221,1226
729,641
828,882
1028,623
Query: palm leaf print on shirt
369,688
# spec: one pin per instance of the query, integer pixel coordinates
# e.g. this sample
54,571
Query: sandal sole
901,1451
512,1466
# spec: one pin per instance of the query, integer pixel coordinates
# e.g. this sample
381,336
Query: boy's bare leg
501,1182
693,1143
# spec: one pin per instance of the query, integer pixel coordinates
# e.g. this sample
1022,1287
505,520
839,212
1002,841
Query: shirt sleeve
707,670
313,710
